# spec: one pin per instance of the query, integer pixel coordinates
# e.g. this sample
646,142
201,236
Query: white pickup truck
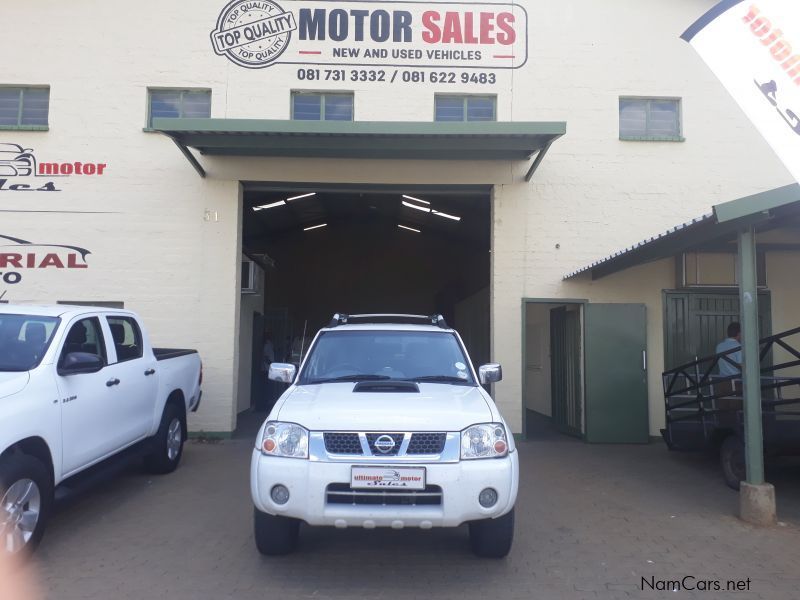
385,425
79,385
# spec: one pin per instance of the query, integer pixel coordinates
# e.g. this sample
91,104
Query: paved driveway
592,521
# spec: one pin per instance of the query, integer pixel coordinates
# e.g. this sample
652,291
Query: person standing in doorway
732,342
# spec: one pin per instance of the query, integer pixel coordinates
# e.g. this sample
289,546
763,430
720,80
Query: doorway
370,249
553,358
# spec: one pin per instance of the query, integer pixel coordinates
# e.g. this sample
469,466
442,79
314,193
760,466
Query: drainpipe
756,497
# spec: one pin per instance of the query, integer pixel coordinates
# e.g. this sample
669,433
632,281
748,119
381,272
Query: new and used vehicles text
385,425
77,386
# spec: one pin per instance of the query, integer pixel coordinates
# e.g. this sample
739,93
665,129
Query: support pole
756,498
751,367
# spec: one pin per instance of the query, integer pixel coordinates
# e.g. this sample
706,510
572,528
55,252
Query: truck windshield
24,339
425,356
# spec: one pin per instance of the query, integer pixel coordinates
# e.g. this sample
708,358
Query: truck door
89,423
136,371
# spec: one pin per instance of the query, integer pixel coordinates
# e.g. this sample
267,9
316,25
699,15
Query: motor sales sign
261,33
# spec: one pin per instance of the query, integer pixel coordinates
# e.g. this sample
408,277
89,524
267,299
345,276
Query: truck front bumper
309,500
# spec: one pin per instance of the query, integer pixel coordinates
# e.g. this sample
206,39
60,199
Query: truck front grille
342,443
342,493
397,438
426,443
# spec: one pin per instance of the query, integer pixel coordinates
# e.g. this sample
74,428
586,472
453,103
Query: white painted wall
168,244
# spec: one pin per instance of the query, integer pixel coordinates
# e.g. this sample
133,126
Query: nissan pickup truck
386,424
78,385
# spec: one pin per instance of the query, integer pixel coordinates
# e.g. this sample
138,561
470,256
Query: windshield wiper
362,377
438,379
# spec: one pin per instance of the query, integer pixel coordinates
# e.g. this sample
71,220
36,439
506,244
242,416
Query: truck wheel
275,535
167,443
492,538
731,455
26,497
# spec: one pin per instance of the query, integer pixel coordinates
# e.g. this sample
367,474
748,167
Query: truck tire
492,538
167,443
275,535
731,455
26,498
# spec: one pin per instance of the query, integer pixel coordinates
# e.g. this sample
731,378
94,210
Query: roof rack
343,319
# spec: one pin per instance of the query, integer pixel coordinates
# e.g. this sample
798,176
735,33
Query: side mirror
80,362
283,372
490,373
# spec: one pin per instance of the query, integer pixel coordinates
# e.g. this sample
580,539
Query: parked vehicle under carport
704,410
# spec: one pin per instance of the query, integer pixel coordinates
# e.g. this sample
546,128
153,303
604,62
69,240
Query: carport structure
760,223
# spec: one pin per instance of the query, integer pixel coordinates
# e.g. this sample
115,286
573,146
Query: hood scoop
401,387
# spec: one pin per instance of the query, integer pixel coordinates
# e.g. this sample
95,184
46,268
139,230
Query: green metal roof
484,140
768,209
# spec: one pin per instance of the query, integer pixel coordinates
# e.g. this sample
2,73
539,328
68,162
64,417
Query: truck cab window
85,336
24,341
127,338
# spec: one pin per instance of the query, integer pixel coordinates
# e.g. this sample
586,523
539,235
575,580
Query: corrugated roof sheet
640,245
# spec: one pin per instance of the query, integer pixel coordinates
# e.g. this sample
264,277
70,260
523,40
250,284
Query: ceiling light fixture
416,199
302,196
446,216
422,208
409,229
314,227
273,205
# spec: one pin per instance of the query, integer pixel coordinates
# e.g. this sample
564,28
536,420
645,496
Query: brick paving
591,522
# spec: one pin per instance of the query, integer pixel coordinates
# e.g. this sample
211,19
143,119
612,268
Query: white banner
753,47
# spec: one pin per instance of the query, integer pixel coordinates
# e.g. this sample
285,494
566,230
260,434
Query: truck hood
13,383
335,407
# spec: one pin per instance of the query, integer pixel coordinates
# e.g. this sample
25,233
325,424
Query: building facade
97,204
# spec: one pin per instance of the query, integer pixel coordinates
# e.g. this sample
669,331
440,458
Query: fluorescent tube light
303,196
422,208
416,199
409,228
314,227
446,216
273,205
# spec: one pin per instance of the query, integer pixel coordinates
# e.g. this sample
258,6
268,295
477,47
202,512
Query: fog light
488,498
279,494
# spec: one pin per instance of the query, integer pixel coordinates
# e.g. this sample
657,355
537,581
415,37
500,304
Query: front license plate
403,478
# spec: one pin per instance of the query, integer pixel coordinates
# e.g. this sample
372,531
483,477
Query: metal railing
696,392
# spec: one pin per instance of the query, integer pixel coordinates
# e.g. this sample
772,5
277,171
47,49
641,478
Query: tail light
201,374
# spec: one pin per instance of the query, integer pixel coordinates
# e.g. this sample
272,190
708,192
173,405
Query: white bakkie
78,385
385,425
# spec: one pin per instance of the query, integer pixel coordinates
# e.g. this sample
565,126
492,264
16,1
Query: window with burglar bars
24,107
465,108
313,106
178,104
650,119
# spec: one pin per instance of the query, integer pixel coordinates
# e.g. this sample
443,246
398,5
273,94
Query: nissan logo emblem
384,444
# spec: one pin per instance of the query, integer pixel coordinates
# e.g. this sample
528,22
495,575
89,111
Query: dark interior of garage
378,250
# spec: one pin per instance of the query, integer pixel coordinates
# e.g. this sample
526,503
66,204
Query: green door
696,321
615,338
565,369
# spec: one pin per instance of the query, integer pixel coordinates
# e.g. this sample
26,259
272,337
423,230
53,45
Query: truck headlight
484,440
285,439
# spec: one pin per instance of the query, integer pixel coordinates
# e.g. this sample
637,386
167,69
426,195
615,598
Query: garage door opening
317,250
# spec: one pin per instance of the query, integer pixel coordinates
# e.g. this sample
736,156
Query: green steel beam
751,365
539,158
757,203
357,128
190,157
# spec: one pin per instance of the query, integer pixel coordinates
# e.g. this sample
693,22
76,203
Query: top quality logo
253,34
477,35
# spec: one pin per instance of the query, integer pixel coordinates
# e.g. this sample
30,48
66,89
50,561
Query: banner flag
753,47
